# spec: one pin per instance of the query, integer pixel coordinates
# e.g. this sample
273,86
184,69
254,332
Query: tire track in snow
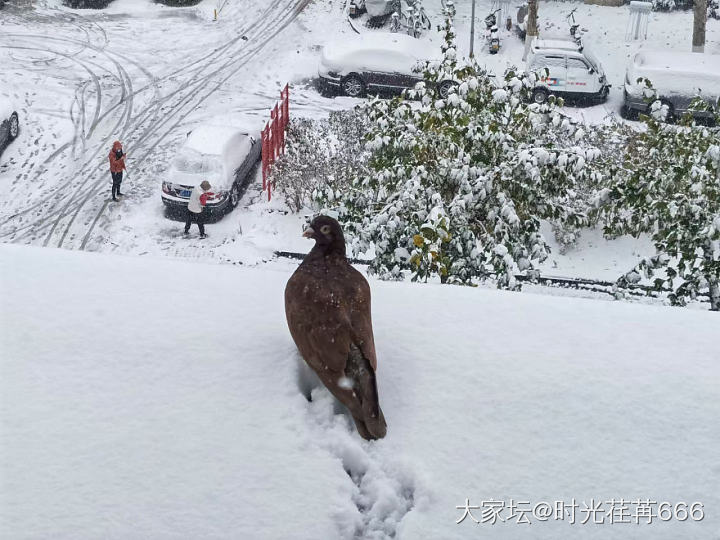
126,99
152,112
271,29
198,81
96,120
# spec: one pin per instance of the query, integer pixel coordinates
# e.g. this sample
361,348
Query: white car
223,155
376,62
677,79
9,120
572,71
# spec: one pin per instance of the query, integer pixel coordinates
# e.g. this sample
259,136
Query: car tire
14,127
353,86
234,196
444,88
540,96
627,113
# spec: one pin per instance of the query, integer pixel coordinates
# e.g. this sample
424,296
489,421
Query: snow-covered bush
458,186
321,157
671,5
669,187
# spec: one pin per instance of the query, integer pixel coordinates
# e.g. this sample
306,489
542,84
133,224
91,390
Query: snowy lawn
150,398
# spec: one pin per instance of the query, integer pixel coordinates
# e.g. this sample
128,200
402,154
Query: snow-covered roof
555,43
374,51
210,139
679,62
678,71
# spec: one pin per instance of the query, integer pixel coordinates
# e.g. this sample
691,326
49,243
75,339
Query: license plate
185,193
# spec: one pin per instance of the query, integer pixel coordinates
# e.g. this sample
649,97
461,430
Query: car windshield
594,62
197,164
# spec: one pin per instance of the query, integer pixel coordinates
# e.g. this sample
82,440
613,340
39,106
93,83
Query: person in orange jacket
117,166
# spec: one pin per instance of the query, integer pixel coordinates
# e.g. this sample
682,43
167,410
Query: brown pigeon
327,304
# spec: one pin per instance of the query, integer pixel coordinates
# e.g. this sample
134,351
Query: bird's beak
308,233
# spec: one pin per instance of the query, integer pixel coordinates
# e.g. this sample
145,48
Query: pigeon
327,305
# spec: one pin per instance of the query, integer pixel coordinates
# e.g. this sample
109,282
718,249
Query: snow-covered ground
151,398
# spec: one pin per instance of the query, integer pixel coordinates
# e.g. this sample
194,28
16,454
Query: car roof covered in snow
675,71
211,139
679,62
555,43
374,46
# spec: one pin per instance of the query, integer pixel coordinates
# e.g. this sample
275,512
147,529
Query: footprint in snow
384,490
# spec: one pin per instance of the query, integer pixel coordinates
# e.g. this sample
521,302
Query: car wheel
14,126
444,88
627,113
234,195
540,96
353,86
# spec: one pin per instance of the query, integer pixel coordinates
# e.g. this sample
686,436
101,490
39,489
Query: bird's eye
325,229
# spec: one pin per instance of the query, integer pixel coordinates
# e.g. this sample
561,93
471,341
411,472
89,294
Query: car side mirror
591,71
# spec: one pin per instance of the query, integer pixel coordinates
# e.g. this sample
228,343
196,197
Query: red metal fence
273,136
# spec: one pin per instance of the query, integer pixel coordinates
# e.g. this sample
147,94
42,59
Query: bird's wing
361,318
318,322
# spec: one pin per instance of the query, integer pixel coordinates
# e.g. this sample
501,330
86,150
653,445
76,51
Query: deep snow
150,398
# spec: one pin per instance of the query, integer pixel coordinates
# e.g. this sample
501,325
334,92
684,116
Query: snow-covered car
566,69
9,120
223,155
677,78
376,62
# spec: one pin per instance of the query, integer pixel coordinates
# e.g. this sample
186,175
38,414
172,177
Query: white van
676,77
572,71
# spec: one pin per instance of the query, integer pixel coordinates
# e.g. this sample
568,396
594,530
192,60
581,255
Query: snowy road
111,92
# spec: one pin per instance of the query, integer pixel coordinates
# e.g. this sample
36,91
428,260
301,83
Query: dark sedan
376,63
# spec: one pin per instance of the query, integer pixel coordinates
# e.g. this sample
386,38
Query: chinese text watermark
613,511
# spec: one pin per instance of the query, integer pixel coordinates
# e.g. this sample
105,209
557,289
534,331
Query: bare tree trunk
531,27
700,20
715,294
472,31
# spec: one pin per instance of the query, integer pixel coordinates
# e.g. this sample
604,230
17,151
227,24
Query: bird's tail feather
360,371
